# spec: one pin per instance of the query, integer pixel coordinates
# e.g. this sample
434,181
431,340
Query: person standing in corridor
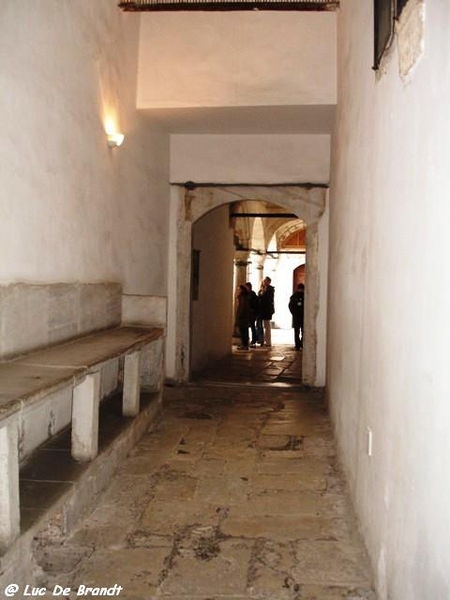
297,308
254,313
266,309
243,315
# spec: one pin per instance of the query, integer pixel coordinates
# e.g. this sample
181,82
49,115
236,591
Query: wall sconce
115,139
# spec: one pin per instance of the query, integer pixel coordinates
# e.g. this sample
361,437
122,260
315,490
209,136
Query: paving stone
287,454
242,466
235,453
280,503
293,428
201,468
319,446
230,434
336,485
61,558
295,591
168,517
187,454
142,538
274,442
162,443
222,573
280,463
203,597
223,490
137,570
284,527
106,536
233,447
331,563
129,491
144,464
200,434
288,483
269,575
173,484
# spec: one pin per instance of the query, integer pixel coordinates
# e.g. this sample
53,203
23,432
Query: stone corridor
234,493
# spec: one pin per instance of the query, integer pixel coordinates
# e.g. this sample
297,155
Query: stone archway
190,203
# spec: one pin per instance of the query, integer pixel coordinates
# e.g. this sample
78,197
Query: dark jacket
254,305
297,306
243,310
266,303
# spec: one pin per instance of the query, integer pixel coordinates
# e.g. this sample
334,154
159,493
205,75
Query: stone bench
36,377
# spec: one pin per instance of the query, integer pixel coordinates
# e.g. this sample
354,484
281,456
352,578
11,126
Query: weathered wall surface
212,319
389,298
71,208
32,316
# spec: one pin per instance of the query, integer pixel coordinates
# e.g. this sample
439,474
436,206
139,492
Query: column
131,385
241,268
86,401
9,484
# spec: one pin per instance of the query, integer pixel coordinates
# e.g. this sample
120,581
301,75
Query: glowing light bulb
115,139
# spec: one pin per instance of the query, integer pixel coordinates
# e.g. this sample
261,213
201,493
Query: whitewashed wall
72,209
389,298
236,59
250,158
212,318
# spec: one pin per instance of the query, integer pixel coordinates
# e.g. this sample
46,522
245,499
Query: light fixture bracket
115,139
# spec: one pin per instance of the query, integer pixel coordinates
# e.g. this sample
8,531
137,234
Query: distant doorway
298,277
189,205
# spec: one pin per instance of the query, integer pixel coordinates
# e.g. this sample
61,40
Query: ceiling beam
266,215
226,5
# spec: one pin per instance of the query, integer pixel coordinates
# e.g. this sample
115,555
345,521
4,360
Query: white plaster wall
144,310
212,316
72,209
389,298
261,158
236,59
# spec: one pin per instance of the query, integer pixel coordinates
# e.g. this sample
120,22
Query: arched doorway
189,203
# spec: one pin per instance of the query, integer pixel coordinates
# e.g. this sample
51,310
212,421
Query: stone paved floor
235,493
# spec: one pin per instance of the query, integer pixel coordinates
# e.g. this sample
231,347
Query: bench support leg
9,485
131,385
85,406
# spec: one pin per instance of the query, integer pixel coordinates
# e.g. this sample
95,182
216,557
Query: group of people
254,311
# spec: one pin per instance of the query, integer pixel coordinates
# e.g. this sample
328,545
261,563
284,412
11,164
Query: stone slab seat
34,376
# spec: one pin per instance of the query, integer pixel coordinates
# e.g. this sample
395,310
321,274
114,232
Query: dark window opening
385,12
400,6
383,28
195,270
